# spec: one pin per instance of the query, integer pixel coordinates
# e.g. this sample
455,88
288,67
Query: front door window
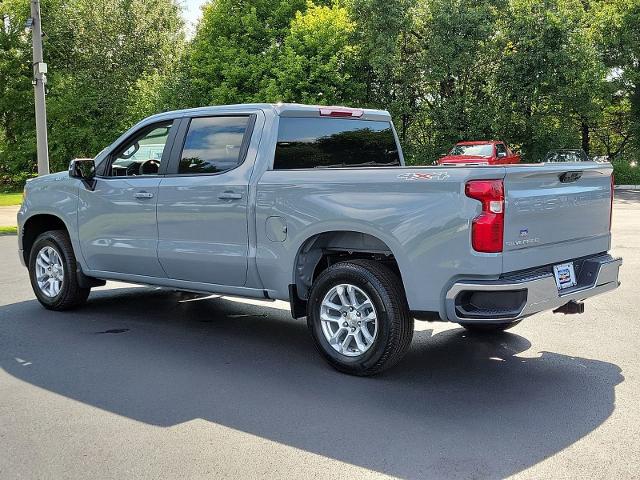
143,154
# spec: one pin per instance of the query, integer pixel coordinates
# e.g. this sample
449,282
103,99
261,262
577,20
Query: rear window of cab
334,143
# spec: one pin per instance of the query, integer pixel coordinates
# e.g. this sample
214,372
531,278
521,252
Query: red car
491,152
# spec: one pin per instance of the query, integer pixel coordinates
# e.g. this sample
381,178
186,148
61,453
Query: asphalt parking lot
145,383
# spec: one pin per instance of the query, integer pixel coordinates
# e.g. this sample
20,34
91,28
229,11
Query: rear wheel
52,271
489,327
358,316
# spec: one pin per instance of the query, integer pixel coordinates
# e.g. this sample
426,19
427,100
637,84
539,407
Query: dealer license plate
565,275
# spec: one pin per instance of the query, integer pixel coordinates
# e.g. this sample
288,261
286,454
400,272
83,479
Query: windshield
485,150
146,152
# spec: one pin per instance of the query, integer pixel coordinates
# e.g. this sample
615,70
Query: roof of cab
281,109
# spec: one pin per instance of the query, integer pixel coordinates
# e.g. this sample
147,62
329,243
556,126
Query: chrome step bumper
530,292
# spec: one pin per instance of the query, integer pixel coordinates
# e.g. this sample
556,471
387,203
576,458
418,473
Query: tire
68,294
389,335
487,328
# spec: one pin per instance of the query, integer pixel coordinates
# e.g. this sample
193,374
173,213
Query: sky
191,12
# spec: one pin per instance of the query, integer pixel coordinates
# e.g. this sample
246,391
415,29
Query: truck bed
424,218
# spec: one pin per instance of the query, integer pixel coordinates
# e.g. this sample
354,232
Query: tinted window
500,148
333,142
142,155
213,144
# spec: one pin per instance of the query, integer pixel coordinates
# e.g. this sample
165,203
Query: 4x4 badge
424,176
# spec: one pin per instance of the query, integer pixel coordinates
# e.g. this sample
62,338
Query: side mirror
502,154
85,170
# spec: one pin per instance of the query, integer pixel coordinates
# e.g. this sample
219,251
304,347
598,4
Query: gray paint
542,292
234,246
117,231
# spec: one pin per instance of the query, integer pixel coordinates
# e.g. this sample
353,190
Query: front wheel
52,271
358,316
489,327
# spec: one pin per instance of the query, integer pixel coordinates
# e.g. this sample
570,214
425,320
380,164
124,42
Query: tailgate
555,213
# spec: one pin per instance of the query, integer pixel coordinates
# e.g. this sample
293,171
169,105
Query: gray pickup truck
314,205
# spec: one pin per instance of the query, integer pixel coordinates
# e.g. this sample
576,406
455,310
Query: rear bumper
522,294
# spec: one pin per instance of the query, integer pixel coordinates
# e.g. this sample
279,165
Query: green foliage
457,58
318,59
232,53
540,74
97,52
17,138
617,31
612,132
549,75
626,172
14,182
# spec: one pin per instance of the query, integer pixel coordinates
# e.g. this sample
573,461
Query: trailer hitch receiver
570,308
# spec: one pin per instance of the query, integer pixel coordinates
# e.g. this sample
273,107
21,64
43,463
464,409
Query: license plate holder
565,275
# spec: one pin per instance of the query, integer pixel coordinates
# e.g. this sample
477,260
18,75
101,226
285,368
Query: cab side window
143,154
501,150
334,143
213,145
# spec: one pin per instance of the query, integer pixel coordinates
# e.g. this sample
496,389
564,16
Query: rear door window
334,143
213,145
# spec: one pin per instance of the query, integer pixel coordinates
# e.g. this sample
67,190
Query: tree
549,75
96,51
232,55
318,62
617,30
540,74
387,68
613,132
17,138
457,62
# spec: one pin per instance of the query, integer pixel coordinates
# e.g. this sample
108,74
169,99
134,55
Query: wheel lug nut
358,314
345,324
351,309
353,329
344,314
359,323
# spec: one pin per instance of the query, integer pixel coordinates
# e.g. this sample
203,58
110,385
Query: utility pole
39,81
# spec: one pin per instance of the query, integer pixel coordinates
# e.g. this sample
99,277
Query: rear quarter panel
421,214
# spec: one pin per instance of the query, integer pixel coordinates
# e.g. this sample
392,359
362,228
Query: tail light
611,208
487,229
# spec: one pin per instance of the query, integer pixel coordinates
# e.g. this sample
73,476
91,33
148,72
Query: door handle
143,195
230,196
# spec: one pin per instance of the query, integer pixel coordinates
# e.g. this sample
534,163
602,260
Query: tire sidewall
47,240
367,282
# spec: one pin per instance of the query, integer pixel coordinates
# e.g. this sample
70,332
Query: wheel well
36,225
323,250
